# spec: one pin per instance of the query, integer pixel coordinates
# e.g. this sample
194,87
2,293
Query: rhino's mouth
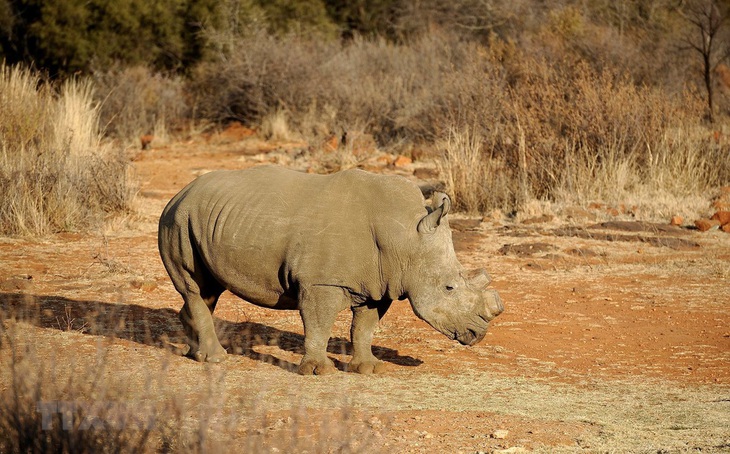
468,337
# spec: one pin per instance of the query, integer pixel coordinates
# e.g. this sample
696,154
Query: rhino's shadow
162,328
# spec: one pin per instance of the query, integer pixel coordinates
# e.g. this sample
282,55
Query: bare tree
707,22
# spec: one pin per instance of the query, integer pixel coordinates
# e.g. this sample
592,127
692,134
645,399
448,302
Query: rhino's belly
269,300
253,276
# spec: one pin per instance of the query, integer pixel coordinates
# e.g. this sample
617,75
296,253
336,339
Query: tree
707,20
72,36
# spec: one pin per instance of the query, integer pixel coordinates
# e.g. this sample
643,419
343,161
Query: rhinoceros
320,244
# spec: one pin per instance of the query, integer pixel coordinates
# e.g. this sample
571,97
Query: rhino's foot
214,356
313,367
367,367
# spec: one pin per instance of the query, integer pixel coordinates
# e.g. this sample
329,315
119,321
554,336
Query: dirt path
609,341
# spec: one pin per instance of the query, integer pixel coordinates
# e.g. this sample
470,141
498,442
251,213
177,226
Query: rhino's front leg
318,306
365,319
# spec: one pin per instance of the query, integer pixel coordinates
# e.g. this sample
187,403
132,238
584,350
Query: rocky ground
615,336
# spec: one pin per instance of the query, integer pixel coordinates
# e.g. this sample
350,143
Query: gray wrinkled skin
319,244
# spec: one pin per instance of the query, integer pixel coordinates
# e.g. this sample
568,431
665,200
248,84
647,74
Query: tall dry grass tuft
55,172
477,180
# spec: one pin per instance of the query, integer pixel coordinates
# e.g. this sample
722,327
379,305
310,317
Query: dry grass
76,399
55,172
155,407
477,180
136,101
275,127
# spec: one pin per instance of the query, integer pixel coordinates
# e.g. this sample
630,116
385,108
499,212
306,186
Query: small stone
725,228
402,161
676,220
722,216
500,434
706,224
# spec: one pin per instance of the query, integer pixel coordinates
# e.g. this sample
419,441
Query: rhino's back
261,230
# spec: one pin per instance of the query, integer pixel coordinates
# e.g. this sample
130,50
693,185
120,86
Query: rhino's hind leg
318,306
365,319
196,316
199,290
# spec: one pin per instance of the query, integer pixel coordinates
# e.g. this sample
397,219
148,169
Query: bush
79,35
387,90
134,101
55,173
573,134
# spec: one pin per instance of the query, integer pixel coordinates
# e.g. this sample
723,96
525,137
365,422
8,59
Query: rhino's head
456,303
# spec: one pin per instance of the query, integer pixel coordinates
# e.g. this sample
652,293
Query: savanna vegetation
562,101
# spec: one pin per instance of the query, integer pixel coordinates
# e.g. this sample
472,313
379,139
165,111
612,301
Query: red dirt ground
604,309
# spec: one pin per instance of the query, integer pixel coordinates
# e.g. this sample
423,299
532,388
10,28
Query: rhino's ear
439,199
440,206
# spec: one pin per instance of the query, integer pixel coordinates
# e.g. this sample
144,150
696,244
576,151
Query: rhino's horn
441,205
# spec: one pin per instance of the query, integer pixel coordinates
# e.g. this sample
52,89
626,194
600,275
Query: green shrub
79,35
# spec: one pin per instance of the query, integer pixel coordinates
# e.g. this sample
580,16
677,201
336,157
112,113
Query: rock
725,228
402,161
500,434
385,159
722,216
703,225
676,220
